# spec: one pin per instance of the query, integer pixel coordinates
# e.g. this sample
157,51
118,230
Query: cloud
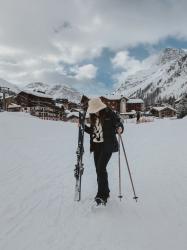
89,24
127,65
9,51
42,39
124,61
72,53
85,72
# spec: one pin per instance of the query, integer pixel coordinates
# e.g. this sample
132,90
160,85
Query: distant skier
103,142
138,115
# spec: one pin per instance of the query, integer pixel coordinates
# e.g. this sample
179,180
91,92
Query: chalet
118,103
130,114
47,113
40,105
135,104
13,107
72,105
162,112
9,100
31,99
62,101
72,117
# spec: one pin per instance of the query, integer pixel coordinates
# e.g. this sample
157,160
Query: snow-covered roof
37,94
10,96
135,101
162,108
114,97
13,105
133,112
59,105
76,114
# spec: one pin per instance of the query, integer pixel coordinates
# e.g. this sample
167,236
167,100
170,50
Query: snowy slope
166,77
55,91
37,211
12,87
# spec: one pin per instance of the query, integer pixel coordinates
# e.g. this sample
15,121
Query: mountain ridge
165,78
57,91
54,91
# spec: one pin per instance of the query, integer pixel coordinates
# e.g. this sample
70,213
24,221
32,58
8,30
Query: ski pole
135,196
119,162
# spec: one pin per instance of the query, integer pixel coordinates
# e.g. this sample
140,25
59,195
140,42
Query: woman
103,142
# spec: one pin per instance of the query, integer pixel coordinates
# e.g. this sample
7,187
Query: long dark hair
101,117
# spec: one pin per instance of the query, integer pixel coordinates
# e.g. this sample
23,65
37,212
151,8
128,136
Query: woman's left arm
118,124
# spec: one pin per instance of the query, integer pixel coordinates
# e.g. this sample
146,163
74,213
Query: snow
166,76
135,101
35,93
114,97
13,105
37,211
12,87
132,112
55,91
162,108
76,114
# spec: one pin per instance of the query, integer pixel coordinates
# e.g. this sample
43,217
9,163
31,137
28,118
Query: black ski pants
101,159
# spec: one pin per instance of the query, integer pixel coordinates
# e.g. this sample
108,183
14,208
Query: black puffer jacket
110,125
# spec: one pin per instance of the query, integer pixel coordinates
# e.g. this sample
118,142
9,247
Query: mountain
38,87
165,79
55,91
12,87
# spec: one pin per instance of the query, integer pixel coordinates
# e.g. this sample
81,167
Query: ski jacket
110,125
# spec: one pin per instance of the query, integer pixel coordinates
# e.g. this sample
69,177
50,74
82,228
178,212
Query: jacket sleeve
117,121
87,129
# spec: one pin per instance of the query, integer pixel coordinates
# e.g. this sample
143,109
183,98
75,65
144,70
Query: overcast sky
91,45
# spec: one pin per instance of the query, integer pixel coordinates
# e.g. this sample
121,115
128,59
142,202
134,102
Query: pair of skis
79,169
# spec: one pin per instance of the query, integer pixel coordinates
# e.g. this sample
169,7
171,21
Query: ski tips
135,198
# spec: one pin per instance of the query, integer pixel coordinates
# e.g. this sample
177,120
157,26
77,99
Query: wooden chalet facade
40,105
135,104
62,101
9,100
31,99
67,104
162,112
47,113
13,107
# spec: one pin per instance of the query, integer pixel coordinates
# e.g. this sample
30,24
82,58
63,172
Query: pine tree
182,107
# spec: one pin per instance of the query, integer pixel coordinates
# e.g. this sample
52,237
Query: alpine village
155,100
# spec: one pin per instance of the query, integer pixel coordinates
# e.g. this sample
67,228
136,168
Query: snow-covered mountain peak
55,91
169,55
12,87
37,86
166,78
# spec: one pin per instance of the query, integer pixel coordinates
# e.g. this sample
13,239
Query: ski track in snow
37,211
